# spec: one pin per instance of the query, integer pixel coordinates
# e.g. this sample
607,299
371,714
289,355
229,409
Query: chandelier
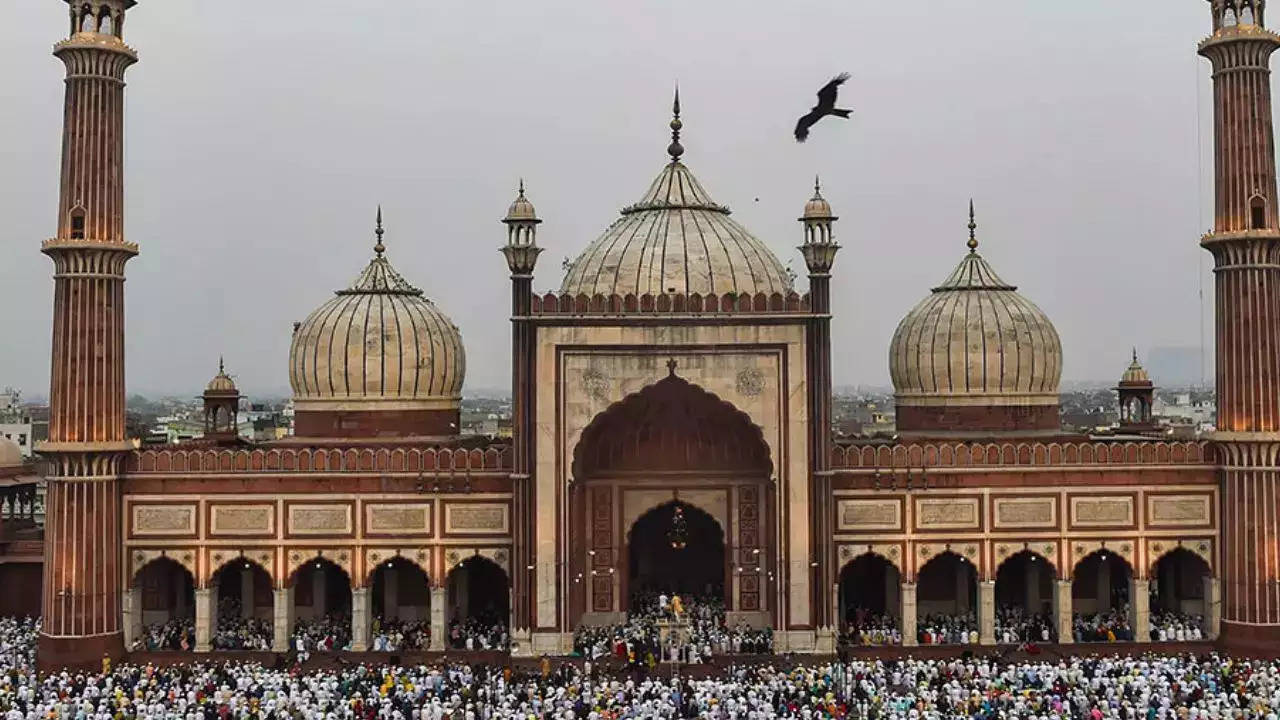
678,535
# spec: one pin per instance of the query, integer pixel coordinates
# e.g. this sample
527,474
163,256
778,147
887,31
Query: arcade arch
1100,587
243,613
400,590
670,445
478,607
1024,582
1024,604
321,605
1180,593
166,595
870,593
947,599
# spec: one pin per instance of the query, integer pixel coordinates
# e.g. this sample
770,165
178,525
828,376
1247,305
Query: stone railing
670,303
332,460
1019,453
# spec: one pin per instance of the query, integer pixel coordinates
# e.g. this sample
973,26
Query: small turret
522,223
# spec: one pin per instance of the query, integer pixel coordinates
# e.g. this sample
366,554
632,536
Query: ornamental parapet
276,460
671,304
1018,454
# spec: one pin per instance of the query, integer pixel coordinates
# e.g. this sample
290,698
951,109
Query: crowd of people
1107,626
482,632
1170,626
173,634
947,629
322,634
1015,626
867,628
236,632
696,630
1154,687
394,635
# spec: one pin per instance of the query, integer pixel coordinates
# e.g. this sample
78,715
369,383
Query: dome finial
675,149
817,186
222,368
973,226
1135,356
521,187
378,247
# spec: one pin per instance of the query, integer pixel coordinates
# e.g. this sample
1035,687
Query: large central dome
676,239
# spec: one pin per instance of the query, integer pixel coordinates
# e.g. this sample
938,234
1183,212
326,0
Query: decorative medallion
595,384
750,382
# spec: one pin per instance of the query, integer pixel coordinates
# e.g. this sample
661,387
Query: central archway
675,549
670,446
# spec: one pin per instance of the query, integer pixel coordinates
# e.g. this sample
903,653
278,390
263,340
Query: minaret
522,253
87,445
819,250
1245,244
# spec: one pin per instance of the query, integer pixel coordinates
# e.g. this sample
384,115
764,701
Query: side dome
676,239
976,356
378,359
222,382
1135,374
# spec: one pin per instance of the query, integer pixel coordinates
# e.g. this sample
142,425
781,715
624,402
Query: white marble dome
975,341
377,345
676,239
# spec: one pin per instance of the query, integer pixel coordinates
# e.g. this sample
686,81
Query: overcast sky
261,134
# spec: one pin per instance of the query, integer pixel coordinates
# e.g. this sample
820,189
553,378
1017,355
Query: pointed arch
671,425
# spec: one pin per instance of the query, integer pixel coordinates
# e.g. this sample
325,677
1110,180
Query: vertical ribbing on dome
974,342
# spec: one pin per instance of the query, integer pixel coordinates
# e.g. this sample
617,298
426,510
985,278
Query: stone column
248,598
437,618
204,619
1212,607
987,612
1062,611
360,620
1139,614
283,619
132,602
907,597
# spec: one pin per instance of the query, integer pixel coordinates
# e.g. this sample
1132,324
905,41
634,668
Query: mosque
671,427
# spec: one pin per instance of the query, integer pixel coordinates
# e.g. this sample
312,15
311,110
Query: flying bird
826,106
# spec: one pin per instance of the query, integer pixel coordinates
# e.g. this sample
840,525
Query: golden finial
378,247
675,149
973,226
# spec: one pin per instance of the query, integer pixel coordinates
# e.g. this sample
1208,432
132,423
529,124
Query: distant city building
15,422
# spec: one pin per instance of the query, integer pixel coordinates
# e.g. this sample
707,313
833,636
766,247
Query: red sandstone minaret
87,445
522,253
1246,249
819,250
